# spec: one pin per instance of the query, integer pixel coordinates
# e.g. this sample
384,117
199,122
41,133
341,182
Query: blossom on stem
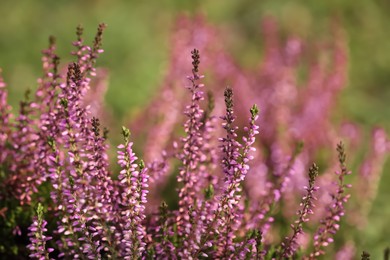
4,118
330,225
229,220
290,244
45,93
134,188
86,55
250,248
191,156
38,239
226,212
79,197
24,180
230,146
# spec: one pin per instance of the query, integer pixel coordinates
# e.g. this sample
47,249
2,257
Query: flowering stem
38,240
290,245
238,177
330,224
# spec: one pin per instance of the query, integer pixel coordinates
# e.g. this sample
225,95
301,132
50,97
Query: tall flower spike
4,118
330,225
134,183
24,140
291,245
87,56
43,104
38,239
225,219
45,93
76,136
96,50
101,191
190,157
232,194
68,243
250,246
230,146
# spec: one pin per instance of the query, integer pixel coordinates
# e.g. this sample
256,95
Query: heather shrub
297,85
257,170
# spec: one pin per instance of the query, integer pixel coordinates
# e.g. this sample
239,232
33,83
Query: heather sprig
59,196
4,117
229,145
330,224
226,217
251,246
290,244
86,55
75,133
190,157
23,140
48,82
133,180
38,239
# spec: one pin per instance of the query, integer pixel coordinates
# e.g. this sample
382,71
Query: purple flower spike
191,157
133,180
290,244
38,239
226,218
330,225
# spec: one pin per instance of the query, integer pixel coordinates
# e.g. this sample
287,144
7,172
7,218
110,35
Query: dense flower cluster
38,240
232,190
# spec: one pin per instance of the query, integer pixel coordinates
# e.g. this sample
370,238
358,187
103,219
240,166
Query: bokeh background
136,53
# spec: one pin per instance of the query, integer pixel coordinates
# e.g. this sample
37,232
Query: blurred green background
136,52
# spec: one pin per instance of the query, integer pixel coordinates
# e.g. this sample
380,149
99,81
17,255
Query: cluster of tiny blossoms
297,126
55,153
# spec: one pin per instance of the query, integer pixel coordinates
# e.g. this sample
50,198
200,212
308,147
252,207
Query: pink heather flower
24,180
75,133
191,157
347,252
235,165
330,225
251,247
102,206
291,244
38,239
229,145
59,195
370,171
43,104
47,84
87,189
4,117
86,55
134,188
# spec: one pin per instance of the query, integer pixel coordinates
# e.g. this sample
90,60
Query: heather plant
297,85
236,197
